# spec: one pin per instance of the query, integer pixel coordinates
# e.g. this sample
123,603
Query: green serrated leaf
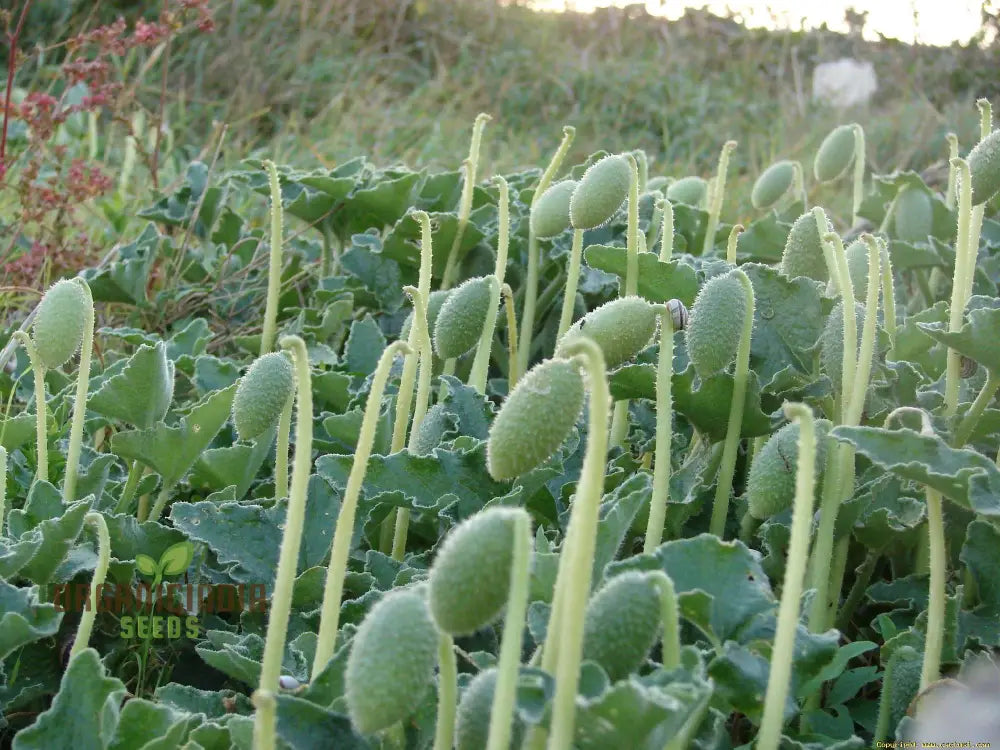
978,338
24,618
141,393
707,407
658,282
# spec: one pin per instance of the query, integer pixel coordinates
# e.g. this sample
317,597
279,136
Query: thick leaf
364,346
58,536
304,724
150,725
707,406
212,703
24,618
16,431
981,556
617,513
978,339
658,282
126,278
237,465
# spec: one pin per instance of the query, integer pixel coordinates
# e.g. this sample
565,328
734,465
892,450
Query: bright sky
926,21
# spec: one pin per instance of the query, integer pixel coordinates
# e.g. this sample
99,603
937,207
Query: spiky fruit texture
913,216
716,324
600,193
472,720
470,577
59,323
803,254
550,213
391,663
771,481
262,394
688,190
984,166
621,328
460,322
434,304
535,419
835,155
773,183
622,623
831,351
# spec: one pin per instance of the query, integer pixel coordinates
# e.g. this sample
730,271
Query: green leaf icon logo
176,559
145,564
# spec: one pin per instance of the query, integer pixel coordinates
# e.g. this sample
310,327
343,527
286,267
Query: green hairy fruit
472,722
689,190
622,624
262,394
984,166
437,299
913,216
460,321
431,431
715,324
550,213
657,184
600,193
470,577
835,154
831,341
391,663
773,183
803,254
59,323
771,481
622,328
535,419
857,266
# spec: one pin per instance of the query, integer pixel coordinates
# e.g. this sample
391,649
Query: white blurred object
966,711
844,82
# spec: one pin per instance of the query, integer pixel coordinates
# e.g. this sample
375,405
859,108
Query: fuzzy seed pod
600,193
621,327
472,721
656,184
803,254
59,323
470,577
913,217
771,480
437,299
460,322
262,394
716,323
535,419
622,624
835,154
391,663
984,166
831,351
857,266
688,190
550,213
773,183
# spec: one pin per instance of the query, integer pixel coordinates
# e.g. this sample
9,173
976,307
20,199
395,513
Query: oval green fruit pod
261,395
550,213
535,419
803,253
59,323
771,480
600,192
470,577
472,720
835,155
831,341
622,624
621,327
913,216
657,184
772,184
437,299
984,166
688,190
391,663
716,323
460,322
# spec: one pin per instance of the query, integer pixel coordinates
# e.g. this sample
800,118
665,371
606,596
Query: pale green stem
664,433
837,570
266,719
419,408
971,418
274,266
718,192
720,508
862,578
732,242
949,196
572,279
833,247
576,564
985,118
959,283
883,228
889,303
481,363
281,449
505,692
465,202
922,556
80,402
798,552
931,670
799,184
3,485
643,163
859,171
96,520
671,645
976,225
632,230
340,550
41,438
862,372
655,221
667,232
508,302
444,732
288,557
531,279
128,491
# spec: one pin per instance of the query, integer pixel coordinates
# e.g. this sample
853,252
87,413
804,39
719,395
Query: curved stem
505,692
281,600
667,231
959,282
718,192
720,508
949,195
508,302
664,433
41,438
481,363
931,669
465,202
3,485
859,171
795,569
572,279
444,733
576,564
863,368
96,520
128,491
837,261
732,242
964,430
671,644
632,230
799,184
274,265
862,578
281,450
341,547
889,303
80,401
